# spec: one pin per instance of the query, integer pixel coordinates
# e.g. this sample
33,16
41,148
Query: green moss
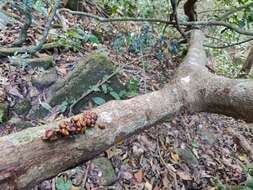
108,173
23,107
86,74
3,112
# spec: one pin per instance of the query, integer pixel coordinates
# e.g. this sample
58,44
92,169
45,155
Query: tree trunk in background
189,10
26,159
247,64
75,5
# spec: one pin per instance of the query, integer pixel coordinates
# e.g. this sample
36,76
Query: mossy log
26,159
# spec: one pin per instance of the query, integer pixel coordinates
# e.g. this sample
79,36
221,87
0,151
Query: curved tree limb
157,20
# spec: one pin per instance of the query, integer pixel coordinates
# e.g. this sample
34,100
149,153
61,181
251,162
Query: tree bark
247,65
26,160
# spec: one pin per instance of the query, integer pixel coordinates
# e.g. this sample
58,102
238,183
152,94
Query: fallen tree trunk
26,160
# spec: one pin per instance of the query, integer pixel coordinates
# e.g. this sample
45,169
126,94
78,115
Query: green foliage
130,8
46,106
134,42
74,37
98,100
63,184
132,89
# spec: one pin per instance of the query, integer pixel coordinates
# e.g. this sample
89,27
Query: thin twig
86,174
172,173
228,45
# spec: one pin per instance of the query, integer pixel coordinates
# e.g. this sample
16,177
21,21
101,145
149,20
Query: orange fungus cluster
77,124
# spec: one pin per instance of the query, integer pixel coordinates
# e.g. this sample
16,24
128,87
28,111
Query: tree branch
156,20
229,45
27,11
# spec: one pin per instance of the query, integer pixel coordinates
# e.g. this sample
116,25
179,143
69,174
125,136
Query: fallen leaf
148,185
138,176
184,176
175,156
113,151
166,182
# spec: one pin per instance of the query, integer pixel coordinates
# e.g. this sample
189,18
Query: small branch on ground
27,11
243,142
170,170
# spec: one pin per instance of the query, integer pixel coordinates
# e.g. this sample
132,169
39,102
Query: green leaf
92,38
95,88
249,181
105,77
62,184
104,88
64,106
123,93
132,85
98,100
46,106
115,95
110,89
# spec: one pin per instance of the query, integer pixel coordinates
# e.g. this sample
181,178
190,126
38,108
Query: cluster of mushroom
77,124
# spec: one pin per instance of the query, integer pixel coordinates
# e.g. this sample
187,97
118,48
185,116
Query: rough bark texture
26,160
247,65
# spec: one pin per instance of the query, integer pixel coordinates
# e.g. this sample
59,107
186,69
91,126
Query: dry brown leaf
138,176
184,176
113,151
166,182
175,156
148,185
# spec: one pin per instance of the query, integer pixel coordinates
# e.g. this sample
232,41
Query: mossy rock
45,79
45,62
20,124
105,166
38,112
87,73
22,107
3,112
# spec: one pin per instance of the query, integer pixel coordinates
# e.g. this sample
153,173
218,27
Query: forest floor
193,151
